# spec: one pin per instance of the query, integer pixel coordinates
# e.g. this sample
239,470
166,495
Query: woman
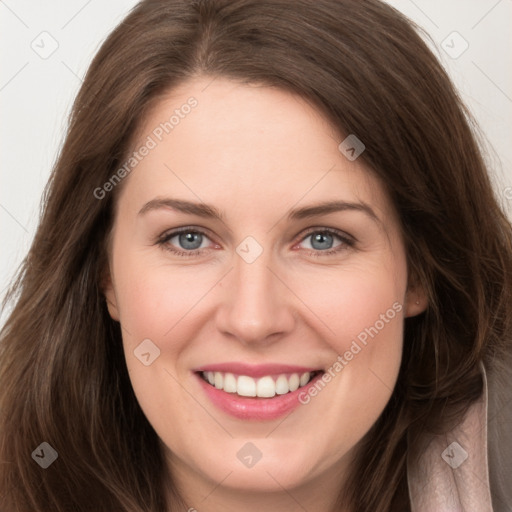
271,272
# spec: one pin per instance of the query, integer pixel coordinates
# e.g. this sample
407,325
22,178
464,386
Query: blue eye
189,241
322,241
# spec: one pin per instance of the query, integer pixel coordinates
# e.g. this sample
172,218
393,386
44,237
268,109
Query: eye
326,241
185,241
188,241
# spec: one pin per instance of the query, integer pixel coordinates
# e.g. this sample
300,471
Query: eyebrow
200,209
332,207
209,211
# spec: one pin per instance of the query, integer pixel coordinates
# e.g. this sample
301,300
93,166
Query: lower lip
248,408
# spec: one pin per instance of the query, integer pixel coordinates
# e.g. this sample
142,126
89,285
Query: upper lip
255,370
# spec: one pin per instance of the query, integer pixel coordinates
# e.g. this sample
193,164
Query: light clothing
468,469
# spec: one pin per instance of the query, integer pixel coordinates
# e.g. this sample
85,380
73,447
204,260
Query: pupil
322,238
190,240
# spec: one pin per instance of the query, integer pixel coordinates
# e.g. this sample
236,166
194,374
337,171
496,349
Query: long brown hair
63,377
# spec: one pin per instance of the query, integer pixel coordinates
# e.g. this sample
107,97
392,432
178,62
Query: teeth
219,380
294,382
264,387
230,383
246,386
282,385
304,379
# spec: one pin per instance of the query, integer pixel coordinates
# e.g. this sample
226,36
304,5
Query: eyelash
347,241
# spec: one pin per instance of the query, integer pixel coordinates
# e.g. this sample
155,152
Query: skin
255,153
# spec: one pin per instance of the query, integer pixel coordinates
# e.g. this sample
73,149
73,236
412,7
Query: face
260,280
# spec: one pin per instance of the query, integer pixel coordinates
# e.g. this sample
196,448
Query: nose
256,304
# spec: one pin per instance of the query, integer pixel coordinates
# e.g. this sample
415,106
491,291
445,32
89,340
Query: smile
267,386
256,392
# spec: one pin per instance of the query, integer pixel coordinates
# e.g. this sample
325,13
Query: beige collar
449,473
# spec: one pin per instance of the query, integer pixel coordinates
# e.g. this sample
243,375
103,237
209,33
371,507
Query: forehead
249,147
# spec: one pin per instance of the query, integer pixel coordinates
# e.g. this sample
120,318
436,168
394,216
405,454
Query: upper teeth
264,387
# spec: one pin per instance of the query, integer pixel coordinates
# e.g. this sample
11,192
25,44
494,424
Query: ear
416,300
107,287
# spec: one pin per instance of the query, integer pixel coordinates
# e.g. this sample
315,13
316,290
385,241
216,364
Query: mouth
267,386
264,392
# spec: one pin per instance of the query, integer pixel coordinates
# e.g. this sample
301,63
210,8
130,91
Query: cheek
355,302
154,304
360,316
154,298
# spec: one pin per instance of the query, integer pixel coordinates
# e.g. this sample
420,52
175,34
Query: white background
36,94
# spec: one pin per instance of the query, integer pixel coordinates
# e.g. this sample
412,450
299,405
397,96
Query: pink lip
258,370
261,409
